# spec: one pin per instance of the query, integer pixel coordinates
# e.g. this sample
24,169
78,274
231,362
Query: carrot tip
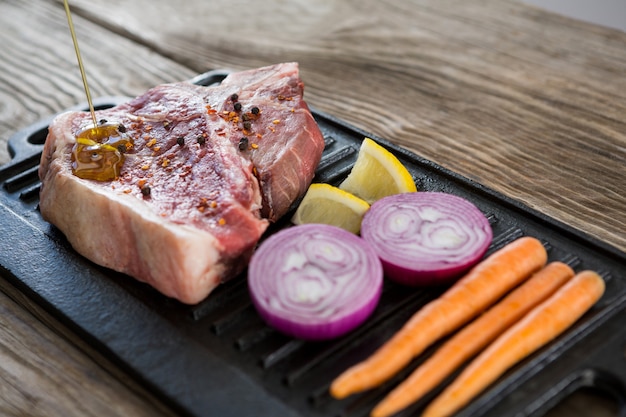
382,410
337,392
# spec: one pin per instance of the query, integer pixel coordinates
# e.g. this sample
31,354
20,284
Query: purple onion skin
294,258
415,278
424,265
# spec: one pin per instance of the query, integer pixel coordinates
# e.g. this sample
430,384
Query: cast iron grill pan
219,358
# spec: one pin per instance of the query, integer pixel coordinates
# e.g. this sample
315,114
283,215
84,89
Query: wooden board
526,102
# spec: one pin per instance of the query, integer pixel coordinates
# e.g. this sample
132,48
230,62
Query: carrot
542,324
477,290
475,336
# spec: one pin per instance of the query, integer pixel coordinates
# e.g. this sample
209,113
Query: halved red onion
315,281
426,238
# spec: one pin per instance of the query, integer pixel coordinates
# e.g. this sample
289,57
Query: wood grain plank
503,93
523,101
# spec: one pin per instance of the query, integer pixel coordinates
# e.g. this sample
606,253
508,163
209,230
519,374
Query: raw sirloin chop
198,173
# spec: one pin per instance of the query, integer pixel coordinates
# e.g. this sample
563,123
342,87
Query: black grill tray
218,357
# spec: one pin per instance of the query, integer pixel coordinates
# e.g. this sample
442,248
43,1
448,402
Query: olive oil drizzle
98,153
80,63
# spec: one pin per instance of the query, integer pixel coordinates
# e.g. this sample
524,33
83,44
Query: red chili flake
185,171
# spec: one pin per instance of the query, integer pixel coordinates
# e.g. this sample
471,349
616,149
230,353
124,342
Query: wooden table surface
523,101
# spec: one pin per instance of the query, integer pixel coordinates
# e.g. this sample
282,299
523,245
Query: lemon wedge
326,204
377,173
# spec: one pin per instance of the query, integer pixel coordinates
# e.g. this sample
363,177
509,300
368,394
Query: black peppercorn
201,140
121,128
255,110
234,97
145,190
243,143
237,106
180,141
247,125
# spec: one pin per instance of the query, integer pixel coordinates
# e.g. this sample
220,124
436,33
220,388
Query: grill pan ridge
219,358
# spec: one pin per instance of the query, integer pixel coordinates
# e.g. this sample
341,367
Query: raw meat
208,169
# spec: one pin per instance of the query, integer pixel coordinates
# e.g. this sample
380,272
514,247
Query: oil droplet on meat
98,153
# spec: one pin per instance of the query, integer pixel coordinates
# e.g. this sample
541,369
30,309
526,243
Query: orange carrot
478,289
475,336
541,325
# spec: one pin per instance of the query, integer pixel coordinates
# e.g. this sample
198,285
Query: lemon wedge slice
377,173
326,204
